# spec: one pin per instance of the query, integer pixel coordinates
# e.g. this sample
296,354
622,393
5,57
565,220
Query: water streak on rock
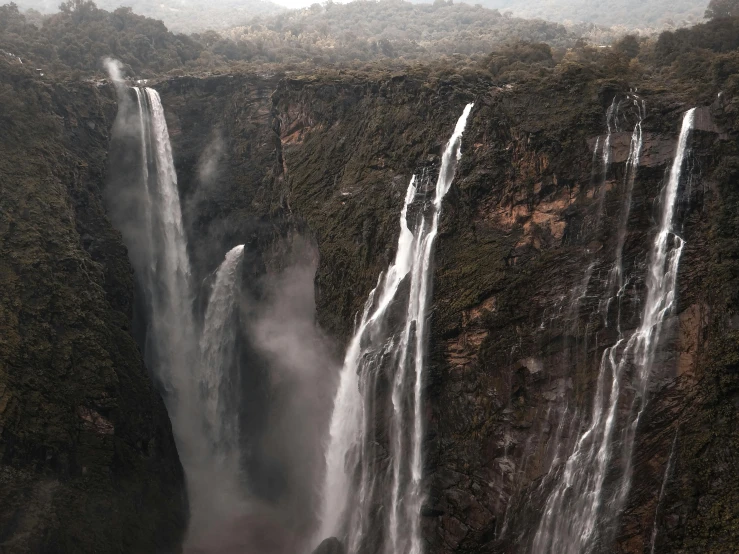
575,511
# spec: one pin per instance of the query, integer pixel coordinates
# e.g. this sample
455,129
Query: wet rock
331,545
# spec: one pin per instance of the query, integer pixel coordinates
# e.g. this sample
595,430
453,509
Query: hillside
82,35
365,31
182,16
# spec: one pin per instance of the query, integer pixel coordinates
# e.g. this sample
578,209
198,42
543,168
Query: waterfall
387,351
616,275
166,267
662,492
219,384
217,350
575,510
611,125
195,369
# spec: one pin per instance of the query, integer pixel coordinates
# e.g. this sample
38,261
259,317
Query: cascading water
575,510
662,491
215,474
388,348
616,275
194,374
165,269
217,350
611,125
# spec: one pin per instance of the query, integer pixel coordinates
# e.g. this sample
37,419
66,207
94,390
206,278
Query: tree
628,45
718,9
10,16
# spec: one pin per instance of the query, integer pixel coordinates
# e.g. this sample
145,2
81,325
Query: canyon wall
526,242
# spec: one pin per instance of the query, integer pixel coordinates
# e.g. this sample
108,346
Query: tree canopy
718,9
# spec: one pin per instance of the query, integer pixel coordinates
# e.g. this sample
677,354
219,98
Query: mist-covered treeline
81,34
392,29
182,16
366,35
633,14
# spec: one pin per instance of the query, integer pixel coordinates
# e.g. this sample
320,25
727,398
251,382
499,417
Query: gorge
431,310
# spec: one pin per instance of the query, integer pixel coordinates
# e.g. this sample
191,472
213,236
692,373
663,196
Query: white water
616,282
388,348
575,510
193,368
214,471
662,491
168,271
611,125
217,343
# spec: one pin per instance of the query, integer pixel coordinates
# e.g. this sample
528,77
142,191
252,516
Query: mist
302,380
247,375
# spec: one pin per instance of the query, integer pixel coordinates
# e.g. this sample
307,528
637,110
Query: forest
75,40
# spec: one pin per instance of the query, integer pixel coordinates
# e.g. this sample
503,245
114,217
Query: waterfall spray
217,344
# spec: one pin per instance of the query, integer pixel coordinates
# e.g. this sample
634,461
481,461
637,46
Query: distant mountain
630,13
183,16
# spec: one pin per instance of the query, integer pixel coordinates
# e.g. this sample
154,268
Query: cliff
515,345
527,239
87,458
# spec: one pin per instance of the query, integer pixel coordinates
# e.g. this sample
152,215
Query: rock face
525,246
330,546
87,458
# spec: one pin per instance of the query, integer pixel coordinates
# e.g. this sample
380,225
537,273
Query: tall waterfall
387,352
165,269
616,275
576,510
194,366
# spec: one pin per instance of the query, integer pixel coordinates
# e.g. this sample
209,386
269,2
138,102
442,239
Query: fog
302,372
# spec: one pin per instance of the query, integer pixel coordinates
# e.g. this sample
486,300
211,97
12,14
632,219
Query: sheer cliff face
87,459
526,244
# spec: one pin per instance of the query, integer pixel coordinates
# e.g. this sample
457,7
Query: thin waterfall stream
388,344
577,508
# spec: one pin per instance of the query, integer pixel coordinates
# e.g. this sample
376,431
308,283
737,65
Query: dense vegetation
361,35
722,8
393,29
81,35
